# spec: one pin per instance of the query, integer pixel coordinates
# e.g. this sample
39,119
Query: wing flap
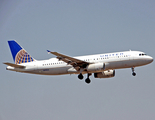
14,65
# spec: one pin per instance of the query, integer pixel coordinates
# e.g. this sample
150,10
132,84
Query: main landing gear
87,80
80,76
133,71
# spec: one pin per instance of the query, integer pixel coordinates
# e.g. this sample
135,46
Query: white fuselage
111,61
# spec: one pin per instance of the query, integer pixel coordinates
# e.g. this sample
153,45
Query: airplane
101,65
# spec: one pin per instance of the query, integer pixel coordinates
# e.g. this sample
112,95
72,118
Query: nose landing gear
133,71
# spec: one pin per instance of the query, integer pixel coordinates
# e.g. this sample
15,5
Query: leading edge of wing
69,60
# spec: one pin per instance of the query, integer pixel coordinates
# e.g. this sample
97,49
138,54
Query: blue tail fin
19,54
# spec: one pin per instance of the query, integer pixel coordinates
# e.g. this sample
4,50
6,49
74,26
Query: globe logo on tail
23,57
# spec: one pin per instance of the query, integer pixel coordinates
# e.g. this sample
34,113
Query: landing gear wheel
80,76
88,80
134,74
133,71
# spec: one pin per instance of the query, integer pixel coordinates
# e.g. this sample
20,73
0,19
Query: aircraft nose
150,59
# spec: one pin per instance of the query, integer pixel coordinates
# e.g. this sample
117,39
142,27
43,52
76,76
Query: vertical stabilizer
19,54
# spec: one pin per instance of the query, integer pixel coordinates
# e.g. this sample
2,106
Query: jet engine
99,67
95,67
105,74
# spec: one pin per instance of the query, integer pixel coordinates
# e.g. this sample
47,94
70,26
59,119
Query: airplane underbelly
132,63
53,71
115,65
121,64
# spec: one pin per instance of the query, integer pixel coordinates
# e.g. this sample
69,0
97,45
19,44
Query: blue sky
77,28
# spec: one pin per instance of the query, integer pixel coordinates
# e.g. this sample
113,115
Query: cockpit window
142,54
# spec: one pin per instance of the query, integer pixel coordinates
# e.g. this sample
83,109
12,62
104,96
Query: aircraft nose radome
150,59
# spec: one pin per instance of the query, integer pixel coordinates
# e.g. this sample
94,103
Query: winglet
48,51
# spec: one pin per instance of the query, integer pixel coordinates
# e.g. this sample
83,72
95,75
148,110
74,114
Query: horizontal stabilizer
15,65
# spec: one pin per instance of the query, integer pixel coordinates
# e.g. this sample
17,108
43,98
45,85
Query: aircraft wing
70,60
14,65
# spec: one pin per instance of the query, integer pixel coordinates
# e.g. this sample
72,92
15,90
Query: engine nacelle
95,67
105,74
99,67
